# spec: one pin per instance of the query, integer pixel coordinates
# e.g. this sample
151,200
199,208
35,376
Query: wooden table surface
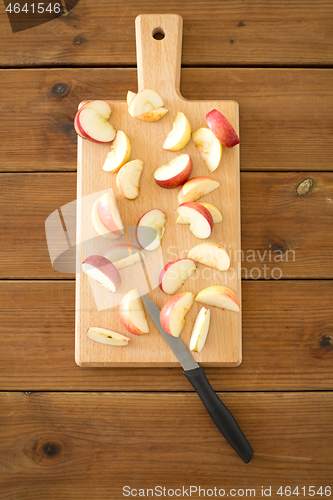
69,433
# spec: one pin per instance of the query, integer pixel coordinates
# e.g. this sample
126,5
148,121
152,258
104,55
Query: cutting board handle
159,58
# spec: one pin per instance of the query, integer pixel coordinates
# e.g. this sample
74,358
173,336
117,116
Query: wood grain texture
284,216
57,445
159,70
231,33
287,342
285,114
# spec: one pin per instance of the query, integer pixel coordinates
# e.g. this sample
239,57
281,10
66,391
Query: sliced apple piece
179,135
132,314
174,173
211,255
196,188
106,217
150,229
209,147
153,115
92,125
128,179
173,312
129,97
174,275
144,101
215,213
107,337
124,256
120,153
102,270
199,218
200,330
219,296
222,128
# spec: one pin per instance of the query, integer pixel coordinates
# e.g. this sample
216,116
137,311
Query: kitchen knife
219,413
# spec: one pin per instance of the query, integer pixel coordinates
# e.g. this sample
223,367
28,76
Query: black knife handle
219,413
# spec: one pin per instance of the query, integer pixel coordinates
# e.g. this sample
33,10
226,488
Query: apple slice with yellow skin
106,217
215,213
129,97
219,296
144,101
173,312
107,337
153,115
209,147
196,188
174,275
132,314
150,229
200,330
211,255
179,135
120,153
123,255
199,218
103,271
128,179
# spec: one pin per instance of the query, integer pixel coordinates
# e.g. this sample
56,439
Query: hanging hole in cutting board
158,33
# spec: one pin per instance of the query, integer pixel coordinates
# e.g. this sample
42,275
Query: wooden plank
285,118
216,33
287,342
57,445
159,69
280,212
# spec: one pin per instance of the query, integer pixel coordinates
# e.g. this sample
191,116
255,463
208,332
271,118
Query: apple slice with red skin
132,314
200,330
150,229
196,188
106,217
91,122
173,312
174,275
199,218
219,296
174,173
107,337
211,255
103,271
222,128
215,213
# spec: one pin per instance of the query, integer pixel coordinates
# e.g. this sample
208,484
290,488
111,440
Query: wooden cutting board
158,69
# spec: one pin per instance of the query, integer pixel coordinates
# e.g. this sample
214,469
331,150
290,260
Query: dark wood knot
78,40
279,247
322,345
326,342
305,187
61,89
241,23
50,449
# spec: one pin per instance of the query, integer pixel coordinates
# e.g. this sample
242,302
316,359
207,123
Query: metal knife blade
177,346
